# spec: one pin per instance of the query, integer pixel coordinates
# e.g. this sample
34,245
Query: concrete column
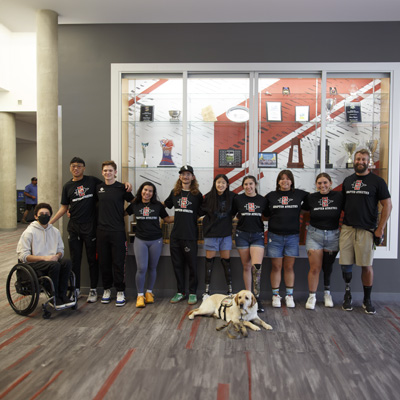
47,102
8,175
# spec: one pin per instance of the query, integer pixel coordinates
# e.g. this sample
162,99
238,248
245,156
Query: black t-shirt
187,208
148,219
250,210
111,206
324,209
219,223
80,196
284,211
361,196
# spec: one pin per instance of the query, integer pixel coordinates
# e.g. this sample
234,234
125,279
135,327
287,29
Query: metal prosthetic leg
228,276
209,267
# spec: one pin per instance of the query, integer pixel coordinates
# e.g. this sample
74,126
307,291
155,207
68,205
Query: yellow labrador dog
243,306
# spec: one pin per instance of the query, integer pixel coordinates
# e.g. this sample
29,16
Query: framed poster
274,111
267,160
302,113
230,158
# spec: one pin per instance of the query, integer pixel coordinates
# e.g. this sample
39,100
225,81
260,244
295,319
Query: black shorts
29,207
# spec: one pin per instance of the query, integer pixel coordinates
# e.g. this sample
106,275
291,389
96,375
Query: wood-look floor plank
320,354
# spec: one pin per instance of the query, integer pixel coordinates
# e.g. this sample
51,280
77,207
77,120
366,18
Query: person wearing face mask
41,246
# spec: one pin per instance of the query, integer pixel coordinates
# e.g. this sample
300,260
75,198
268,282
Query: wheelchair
24,286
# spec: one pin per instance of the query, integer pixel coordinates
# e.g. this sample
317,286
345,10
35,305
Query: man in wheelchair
41,247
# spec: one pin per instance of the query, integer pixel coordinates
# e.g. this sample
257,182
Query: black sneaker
368,307
347,301
260,307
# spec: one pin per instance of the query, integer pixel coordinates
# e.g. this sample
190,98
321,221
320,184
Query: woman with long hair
217,228
322,243
250,208
148,239
284,207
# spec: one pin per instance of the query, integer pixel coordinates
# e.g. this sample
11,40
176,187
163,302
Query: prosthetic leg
256,272
347,276
208,270
227,270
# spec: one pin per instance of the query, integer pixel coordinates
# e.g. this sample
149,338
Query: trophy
174,114
350,149
166,146
144,163
371,146
327,163
330,104
296,153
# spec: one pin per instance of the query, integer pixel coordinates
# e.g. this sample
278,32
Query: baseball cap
186,168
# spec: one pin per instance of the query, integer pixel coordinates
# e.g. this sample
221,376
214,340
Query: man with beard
362,192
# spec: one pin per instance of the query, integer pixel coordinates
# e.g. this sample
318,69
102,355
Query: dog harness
225,303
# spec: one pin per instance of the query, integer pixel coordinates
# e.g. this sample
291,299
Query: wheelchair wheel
22,289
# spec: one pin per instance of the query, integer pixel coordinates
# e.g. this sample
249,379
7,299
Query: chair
24,286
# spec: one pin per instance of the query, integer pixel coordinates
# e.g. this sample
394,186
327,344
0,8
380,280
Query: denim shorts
218,243
280,246
318,239
244,240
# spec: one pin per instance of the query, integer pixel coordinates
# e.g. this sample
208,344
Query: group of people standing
103,231
361,194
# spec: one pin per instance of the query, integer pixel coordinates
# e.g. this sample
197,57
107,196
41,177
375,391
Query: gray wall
86,52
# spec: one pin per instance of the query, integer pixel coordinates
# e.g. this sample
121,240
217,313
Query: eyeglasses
78,166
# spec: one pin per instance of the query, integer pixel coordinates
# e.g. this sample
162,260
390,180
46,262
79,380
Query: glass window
218,127
152,131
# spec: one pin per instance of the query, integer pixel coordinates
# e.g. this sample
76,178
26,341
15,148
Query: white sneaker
328,299
289,302
276,301
106,296
92,297
312,299
120,299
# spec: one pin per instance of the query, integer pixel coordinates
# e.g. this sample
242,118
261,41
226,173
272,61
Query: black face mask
44,219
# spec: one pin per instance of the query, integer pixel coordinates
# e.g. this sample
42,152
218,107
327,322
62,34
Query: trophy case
162,131
256,119
315,125
152,130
